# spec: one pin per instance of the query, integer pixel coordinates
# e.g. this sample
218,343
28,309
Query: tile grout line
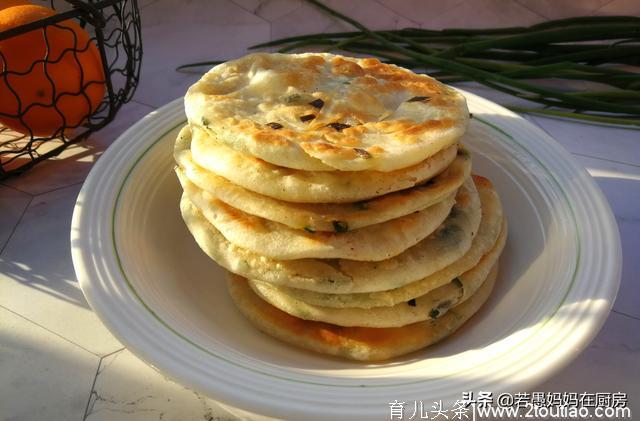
76,183
95,379
153,107
300,6
15,227
93,385
114,352
34,195
16,189
419,25
606,159
535,118
251,12
541,127
244,8
398,14
608,126
602,6
50,331
524,6
625,314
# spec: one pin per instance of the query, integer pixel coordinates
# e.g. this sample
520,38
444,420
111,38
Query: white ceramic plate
166,301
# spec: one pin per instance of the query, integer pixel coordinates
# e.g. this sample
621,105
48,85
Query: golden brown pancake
324,216
424,307
356,343
324,112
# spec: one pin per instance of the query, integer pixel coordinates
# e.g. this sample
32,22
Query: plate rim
608,222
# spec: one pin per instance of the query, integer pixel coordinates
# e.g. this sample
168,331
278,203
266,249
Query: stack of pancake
337,194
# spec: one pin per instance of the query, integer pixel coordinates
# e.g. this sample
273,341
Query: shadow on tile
52,283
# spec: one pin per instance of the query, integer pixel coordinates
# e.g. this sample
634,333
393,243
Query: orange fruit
54,75
10,3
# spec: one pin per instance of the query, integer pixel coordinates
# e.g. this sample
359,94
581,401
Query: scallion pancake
356,343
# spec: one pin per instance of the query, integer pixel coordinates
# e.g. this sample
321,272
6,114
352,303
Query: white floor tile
37,279
621,7
485,14
127,389
12,205
422,11
628,300
619,182
621,185
605,142
219,12
43,377
288,25
551,9
610,364
269,10
161,83
376,15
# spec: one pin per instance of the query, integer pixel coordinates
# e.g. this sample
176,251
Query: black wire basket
76,84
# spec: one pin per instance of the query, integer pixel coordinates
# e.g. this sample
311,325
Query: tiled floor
125,388
43,375
57,360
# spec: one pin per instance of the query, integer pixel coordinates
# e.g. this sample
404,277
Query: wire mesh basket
65,76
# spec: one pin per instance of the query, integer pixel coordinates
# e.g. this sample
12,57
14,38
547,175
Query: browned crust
359,343
370,81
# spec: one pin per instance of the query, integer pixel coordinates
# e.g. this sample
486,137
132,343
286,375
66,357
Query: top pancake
323,112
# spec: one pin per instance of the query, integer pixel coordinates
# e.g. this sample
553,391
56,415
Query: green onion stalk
603,51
